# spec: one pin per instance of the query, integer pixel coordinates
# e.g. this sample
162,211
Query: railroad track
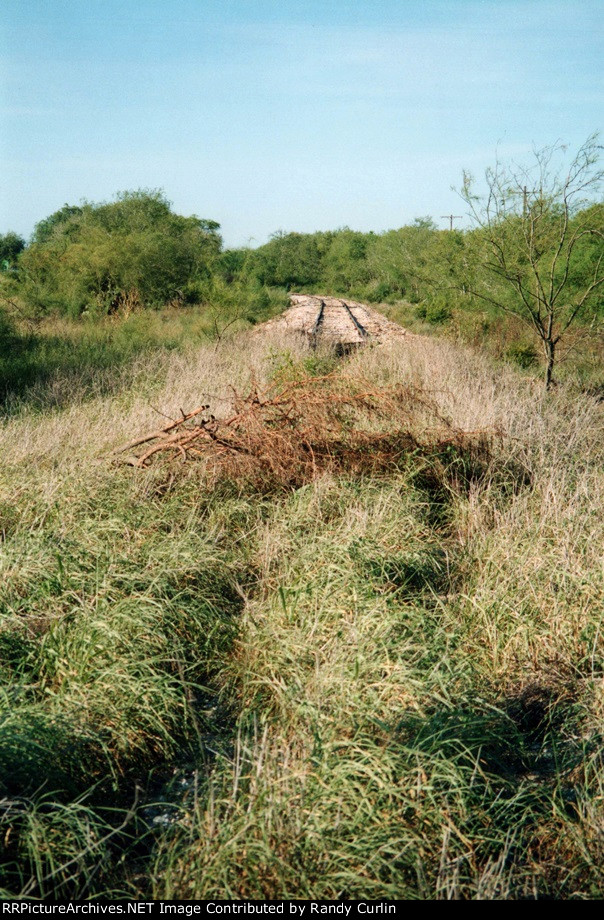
335,322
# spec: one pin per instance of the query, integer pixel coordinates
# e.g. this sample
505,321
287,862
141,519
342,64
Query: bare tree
532,236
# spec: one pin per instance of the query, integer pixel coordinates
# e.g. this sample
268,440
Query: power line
451,218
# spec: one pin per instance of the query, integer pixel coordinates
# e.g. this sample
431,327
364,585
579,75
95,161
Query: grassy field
52,360
386,681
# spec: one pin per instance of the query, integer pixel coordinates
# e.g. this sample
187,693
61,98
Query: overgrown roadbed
378,677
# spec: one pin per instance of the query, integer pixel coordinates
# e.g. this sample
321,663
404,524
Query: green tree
290,260
11,245
344,265
57,224
134,249
540,247
421,263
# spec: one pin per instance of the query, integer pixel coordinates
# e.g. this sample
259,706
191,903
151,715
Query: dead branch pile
287,434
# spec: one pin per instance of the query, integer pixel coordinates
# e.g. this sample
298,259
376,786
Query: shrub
93,257
381,292
11,245
421,311
438,314
522,353
435,313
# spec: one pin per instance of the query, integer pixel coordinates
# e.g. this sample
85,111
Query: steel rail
317,323
363,332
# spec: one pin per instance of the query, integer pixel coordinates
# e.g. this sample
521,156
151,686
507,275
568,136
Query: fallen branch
161,432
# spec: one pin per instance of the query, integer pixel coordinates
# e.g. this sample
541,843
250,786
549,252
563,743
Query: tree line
534,249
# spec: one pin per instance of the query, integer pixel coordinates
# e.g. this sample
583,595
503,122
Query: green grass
116,614
375,757
56,360
62,360
384,685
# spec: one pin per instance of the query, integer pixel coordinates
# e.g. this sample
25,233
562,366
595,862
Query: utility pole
524,201
451,218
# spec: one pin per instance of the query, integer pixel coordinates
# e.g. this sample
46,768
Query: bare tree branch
533,249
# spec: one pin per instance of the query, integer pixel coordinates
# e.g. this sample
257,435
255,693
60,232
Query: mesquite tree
540,247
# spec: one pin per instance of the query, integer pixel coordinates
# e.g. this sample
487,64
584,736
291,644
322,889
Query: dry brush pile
290,432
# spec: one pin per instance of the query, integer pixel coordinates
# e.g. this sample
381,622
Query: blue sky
294,115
